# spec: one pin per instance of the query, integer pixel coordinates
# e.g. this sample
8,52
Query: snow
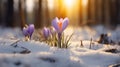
16,52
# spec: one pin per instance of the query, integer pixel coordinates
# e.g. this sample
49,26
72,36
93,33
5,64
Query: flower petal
31,29
61,20
55,24
46,32
25,31
65,23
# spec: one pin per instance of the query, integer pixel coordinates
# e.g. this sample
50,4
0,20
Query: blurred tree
114,12
107,13
47,15
17,21
91,12
118,12
80,11
99,11
9,14
38,14
3,4
0,13
22,13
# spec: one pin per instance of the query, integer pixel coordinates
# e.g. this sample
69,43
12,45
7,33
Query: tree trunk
0,13
38,15
113,12
118,12
9,14
80,11
22,13
47,15
91,12
99,11
107,13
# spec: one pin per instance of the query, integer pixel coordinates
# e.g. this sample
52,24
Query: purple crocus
28,30
46,32
25,32
60,24
31,29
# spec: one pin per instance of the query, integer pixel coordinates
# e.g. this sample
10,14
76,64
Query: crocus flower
46,32
31,29
28,30
60,24
25,32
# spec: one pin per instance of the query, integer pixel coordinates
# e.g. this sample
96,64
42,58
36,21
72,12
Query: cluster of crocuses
59,26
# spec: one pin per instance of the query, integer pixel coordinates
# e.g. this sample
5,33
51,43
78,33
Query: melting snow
15,52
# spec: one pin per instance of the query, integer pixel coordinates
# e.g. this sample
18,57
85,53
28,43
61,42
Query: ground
16,52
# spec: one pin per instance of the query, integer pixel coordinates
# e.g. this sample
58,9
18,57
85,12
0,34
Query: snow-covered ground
16,52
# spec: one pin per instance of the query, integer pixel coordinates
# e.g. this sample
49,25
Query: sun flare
84,2
50,4
68,3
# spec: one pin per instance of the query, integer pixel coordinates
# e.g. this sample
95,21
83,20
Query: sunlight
84,2
50,4
68,3
71,8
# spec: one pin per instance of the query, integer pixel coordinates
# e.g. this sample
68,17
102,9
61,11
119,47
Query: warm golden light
50,4
68,3
84,2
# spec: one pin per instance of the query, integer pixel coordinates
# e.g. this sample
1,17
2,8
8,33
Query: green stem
59,40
